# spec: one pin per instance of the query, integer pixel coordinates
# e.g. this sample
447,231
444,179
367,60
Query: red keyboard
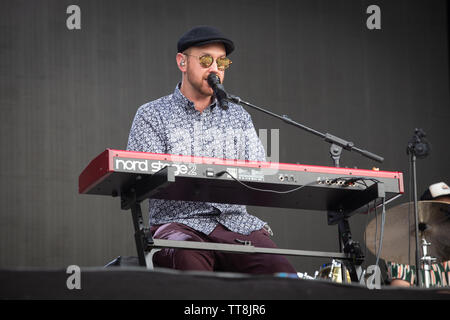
114,172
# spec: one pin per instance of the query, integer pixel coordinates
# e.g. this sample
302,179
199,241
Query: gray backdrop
66,95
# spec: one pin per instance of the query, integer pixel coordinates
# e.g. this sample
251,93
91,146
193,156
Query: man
190,122
403,275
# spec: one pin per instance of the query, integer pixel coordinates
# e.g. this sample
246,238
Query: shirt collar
185,102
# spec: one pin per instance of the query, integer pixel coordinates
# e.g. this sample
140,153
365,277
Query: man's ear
181,62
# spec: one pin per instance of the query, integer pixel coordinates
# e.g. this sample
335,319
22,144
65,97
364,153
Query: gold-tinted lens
206,61
223,63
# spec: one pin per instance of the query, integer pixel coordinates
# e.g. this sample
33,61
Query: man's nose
213,67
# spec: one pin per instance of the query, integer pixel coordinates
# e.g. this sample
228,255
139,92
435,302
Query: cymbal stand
427,262
418,147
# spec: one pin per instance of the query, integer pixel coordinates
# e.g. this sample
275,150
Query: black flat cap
201,35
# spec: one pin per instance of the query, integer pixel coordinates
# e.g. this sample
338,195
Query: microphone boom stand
348,245
336,143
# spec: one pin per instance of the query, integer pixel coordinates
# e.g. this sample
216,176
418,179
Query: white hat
439,189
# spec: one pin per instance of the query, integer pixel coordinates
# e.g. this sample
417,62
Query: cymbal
434,226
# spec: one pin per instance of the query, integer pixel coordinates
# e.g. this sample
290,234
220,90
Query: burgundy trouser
208,260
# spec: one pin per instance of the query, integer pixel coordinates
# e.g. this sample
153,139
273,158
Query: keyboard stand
147,185
339,216
144,188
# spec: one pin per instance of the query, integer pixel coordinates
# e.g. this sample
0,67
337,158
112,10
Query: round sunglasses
207,60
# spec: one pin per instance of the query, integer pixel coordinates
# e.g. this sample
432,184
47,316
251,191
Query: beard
201,86
199,83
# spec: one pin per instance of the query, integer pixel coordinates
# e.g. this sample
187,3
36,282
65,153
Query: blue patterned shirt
171,125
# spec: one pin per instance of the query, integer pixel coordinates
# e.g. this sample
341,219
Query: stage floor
163,284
